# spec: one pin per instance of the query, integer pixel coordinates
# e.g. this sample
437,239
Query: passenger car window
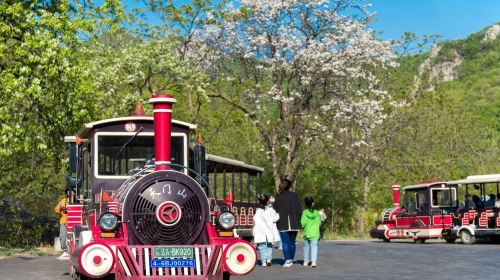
443,197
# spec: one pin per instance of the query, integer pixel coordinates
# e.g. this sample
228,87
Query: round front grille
166,207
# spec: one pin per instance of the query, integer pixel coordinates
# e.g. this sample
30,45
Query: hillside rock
446,70
491,34
437,72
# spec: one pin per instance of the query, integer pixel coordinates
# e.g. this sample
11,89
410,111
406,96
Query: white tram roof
69,139
477,179
232,162
89,126
424,185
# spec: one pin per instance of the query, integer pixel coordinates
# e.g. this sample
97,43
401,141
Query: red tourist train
434,210
144,208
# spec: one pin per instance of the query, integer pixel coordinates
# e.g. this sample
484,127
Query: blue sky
453,19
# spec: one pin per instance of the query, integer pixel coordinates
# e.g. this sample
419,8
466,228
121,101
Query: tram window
177,153
422,201
442,198
112,162
411,202
84,173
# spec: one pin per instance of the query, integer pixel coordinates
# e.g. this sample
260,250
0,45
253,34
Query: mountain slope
466,71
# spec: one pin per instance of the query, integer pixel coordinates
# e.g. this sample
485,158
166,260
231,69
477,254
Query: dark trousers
322,229
288,244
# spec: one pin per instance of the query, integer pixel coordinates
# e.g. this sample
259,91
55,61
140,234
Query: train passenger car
424,214
235,186
479,218
144,208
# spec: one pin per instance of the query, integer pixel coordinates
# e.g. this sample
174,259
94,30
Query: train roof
477,179
424,185
213,162
90,126
230,165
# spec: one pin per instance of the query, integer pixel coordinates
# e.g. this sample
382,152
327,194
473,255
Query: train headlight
226,220
108,221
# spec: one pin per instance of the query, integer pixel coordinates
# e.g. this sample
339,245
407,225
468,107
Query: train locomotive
434,210
425,213
139,212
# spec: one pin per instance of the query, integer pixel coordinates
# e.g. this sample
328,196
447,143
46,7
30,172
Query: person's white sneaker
264,264
306,263
288,264
313,264
64,256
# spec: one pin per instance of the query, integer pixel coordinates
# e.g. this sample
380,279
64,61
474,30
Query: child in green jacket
311,222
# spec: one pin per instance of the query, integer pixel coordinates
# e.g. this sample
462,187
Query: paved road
337,260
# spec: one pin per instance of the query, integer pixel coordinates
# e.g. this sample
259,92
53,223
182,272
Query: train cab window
411,202
177,153
116,157
416,201
422,200
443,197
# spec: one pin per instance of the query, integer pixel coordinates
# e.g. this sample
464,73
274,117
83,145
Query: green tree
44,94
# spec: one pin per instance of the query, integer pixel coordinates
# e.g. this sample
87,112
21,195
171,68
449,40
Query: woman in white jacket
265,232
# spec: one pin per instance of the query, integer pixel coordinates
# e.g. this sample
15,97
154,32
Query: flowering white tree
289,63
365,130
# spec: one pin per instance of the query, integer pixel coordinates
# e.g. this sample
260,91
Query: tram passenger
491,201
264,229
497,203
311,222
288,207
424,206
477,202
467,204
322,228
60,209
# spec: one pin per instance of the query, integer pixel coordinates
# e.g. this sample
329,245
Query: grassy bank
9,252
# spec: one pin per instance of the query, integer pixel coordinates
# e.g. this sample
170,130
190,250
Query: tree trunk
292,144
275,161
333,219
190,106
364,204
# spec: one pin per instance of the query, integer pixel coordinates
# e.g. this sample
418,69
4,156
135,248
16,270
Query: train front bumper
208,261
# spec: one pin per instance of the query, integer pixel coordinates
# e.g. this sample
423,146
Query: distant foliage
302,88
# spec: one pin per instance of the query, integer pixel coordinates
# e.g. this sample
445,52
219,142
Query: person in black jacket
287,205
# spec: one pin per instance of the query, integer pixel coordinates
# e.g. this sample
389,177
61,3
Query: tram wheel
226,275
467,237
419,241
386,240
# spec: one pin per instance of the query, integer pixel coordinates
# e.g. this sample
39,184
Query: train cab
424,214
111,149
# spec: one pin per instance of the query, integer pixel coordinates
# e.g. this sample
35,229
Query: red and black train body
144,207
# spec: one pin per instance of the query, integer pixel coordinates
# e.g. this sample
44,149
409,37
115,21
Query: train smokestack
395,192
162,112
